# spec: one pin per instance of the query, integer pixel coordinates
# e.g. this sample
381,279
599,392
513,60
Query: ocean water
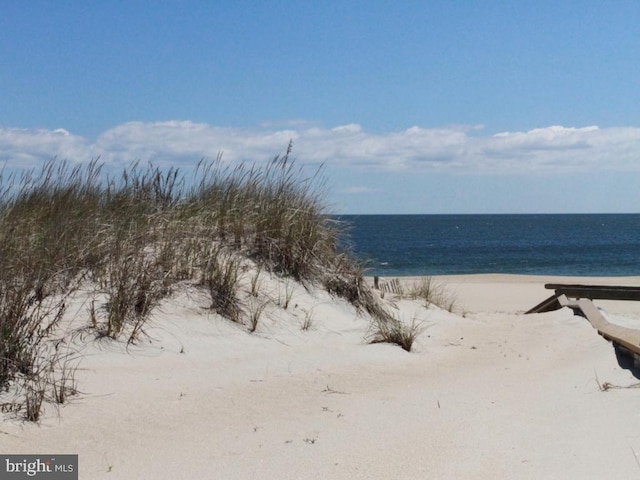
580,245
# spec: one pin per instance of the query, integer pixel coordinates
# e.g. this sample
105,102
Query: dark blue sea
577,245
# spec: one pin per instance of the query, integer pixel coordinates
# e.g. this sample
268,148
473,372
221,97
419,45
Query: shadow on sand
627,360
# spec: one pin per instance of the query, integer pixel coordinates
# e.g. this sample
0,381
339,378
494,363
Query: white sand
494,394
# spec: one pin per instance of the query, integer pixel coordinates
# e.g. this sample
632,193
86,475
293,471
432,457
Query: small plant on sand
221,273
397,332
255,312
285,296
132,291
256,281
63,381
307,321
50,379
432,293
35,392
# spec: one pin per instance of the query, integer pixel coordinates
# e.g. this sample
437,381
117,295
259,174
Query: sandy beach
486,393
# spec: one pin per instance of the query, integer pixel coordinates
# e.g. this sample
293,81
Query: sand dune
486,393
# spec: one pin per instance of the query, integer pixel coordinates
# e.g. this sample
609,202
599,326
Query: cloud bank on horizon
455,149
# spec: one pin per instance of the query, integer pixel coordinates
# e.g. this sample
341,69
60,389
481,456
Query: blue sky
412,106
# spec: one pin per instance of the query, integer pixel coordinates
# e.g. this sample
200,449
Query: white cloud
351,128
455,149
26,148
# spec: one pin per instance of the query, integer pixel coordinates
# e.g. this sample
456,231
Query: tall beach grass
132,237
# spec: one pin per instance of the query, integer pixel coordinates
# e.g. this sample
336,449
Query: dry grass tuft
432,293
397,332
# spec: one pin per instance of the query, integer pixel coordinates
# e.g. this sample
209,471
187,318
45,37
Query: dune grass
432,292
132,237
394,330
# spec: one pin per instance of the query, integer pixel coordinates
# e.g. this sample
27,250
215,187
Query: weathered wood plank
578,298
546,305
596,292
629,338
